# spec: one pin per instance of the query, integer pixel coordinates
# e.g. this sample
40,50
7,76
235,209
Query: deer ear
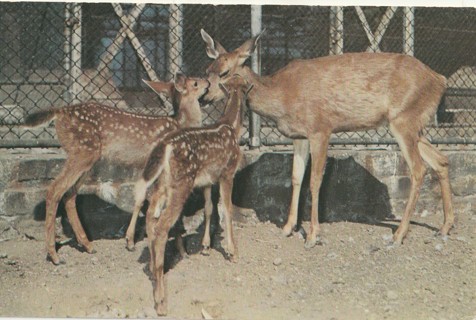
179,82
248,47
160,87
214,48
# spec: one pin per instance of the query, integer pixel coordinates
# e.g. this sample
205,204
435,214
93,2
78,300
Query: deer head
183,89
226,63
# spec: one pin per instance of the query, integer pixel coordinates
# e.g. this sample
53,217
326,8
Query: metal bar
67,51
336,38
384,23
125,21
339,141
115,46
175,39
255,120
30,143
373,43
409,30
75,53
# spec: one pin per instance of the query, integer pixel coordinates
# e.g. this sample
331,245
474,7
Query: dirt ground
352,274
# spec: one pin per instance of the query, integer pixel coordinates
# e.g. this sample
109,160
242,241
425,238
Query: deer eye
195,84
224,73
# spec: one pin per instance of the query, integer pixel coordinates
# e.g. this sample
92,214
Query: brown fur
89,132
311,99
184,160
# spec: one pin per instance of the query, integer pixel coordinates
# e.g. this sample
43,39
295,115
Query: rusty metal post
336,37
255,120
175,39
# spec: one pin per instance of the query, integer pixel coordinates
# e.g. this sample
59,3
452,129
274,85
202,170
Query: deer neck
189,114
233,112
264,98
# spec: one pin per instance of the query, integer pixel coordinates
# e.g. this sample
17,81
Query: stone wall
359,185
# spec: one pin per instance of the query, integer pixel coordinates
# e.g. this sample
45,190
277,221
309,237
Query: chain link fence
55,54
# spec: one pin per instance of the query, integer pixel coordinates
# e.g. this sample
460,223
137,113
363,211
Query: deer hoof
130,245
55,259
398,236
161,308
445,230
288,229
311,243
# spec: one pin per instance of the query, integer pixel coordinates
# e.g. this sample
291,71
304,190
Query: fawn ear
248,47
179,82
160,87
214,48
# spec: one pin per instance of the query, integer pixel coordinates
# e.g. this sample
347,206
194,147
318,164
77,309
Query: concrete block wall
358,185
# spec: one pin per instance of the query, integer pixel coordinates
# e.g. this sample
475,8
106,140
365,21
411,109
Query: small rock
3,255
392,295
332,255
205,314
373,249
439,247
277,261
11,262
425,213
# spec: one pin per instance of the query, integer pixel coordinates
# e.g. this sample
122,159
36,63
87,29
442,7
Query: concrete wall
359,185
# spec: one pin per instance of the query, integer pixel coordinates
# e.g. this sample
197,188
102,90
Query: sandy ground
352,274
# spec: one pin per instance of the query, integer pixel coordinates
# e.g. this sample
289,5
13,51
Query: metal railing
55,54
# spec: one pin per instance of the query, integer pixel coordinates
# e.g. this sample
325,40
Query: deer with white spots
187,159
90,132
311,99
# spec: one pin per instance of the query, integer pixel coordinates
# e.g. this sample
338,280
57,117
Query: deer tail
158,162
39,118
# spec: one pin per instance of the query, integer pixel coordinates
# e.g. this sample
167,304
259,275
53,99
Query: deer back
337,93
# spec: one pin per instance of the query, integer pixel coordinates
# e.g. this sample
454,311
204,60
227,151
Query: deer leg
72,212
408,139
140,193
150,223
161,231
69,175
439,162
300,158
207,193
318,146
226,189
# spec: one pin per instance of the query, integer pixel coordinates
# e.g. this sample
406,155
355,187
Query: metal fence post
175,39
255,120
336,37
73,58
409,30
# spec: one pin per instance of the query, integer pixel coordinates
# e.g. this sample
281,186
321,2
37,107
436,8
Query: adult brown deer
184,160
90,132
310,99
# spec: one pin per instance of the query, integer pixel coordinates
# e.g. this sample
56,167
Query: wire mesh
55,54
